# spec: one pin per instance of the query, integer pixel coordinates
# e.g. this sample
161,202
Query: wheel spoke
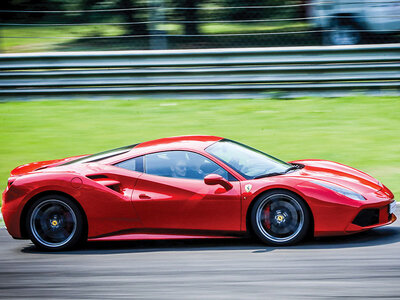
280,217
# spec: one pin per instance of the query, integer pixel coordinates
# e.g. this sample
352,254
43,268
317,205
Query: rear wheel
54,222
280,218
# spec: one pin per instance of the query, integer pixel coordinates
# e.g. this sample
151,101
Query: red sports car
190,186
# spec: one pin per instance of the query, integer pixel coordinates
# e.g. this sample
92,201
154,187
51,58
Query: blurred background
358,130
71,25
348,112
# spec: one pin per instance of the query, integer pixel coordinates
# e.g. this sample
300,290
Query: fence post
158,39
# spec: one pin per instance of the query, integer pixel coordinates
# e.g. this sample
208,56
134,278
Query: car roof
189,142
195,142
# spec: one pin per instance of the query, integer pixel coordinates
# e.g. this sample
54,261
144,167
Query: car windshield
248,162
101,155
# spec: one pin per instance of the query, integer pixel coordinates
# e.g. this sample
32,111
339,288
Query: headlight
340,190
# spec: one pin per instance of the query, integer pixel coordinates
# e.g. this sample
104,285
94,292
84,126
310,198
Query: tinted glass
134,164
248,162
182,164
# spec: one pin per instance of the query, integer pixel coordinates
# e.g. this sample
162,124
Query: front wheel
280,218
54,222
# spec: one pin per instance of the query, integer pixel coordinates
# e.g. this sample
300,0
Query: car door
168,198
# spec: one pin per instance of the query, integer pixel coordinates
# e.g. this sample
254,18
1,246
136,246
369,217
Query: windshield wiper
294,167
270,174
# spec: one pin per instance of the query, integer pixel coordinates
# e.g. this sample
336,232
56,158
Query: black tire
280,218
54,222
342,31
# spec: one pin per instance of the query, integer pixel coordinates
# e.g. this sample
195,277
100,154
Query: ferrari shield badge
248,187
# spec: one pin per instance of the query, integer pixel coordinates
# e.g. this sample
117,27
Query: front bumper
334,214
371,217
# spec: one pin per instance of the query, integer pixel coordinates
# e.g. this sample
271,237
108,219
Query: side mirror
214,179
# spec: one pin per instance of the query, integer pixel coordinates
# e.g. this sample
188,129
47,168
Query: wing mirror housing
215,179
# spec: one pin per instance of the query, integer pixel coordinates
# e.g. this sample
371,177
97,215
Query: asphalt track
365,265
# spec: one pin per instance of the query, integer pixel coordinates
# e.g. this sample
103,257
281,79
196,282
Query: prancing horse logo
248,187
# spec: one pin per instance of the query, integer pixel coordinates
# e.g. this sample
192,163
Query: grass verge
76,38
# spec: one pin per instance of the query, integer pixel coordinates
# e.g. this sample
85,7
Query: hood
338,174
40,165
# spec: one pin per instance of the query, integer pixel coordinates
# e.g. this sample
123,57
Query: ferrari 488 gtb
190,186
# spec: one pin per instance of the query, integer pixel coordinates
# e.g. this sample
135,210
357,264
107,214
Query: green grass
47,38
52,42
220,28
226,28
360,131
27,38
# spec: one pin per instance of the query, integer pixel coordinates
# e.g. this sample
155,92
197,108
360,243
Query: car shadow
374,237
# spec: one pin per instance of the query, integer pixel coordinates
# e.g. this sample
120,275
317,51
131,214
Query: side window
182,164
133,164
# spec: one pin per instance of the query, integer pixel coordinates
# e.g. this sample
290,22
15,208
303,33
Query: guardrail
212,70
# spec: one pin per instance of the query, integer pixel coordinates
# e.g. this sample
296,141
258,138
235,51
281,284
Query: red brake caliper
267,223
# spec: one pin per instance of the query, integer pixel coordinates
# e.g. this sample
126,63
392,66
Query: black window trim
214,160
124,150
185,150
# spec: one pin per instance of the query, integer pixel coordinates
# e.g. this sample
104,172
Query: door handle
144,196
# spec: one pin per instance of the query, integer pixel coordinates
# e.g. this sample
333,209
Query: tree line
185,11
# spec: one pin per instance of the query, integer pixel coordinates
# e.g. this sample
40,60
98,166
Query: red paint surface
143,237
132,205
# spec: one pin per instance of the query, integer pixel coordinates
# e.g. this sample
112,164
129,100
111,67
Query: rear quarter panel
106,210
